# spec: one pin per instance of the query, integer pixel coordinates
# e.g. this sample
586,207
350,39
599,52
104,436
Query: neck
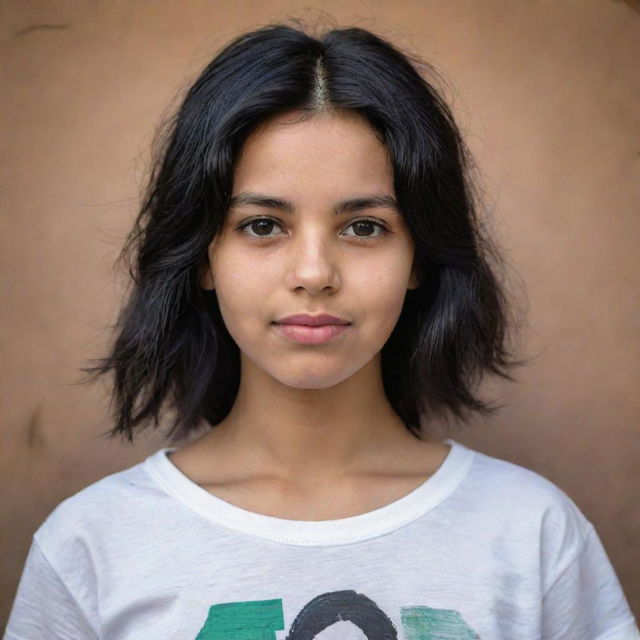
307,433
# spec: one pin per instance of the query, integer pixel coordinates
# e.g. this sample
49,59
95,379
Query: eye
261,228
365,224
260,225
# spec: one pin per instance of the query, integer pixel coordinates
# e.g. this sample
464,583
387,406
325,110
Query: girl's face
284,251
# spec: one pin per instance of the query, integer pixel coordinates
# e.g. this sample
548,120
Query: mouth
308,319
306,334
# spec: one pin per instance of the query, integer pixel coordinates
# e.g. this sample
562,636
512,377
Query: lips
311,335
312,321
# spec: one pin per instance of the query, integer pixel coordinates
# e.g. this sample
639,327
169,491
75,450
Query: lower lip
311,335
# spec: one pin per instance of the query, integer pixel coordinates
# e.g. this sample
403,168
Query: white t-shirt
483,548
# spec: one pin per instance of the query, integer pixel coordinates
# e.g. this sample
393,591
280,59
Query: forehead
330,150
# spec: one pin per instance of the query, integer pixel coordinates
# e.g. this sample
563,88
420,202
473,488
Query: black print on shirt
260,619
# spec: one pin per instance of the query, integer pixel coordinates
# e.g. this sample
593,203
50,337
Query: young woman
310,278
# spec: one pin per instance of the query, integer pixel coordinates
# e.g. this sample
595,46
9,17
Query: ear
414,279
205,271
205,276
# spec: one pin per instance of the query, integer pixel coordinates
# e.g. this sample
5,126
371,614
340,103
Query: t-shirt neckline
314,532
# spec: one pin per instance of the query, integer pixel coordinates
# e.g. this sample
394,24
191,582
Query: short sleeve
43,608
586,600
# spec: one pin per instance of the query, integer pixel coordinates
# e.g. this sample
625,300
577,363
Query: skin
311,434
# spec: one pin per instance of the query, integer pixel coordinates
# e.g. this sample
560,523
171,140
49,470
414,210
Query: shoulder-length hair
171,346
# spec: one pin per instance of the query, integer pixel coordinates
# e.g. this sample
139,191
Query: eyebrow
339,208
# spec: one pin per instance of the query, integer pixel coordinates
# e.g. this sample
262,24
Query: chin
317,381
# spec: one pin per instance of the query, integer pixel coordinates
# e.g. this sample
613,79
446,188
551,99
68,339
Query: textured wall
547,93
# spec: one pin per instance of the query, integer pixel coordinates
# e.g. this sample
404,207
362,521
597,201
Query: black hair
171,347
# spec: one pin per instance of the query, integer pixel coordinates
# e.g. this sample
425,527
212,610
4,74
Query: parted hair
170,348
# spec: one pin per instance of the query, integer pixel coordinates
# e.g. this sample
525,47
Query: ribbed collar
317,532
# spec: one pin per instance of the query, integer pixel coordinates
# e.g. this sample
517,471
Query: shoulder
506,485
525,511
107,507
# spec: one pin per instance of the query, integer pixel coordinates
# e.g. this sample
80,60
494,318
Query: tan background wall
547,93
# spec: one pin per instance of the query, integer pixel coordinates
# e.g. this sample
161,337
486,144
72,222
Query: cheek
241,291
382,294
235,292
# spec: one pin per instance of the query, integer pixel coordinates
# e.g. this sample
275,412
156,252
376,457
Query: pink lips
306,329
313,321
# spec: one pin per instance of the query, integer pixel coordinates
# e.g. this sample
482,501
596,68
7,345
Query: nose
312,264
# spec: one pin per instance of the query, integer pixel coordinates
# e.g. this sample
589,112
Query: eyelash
383,229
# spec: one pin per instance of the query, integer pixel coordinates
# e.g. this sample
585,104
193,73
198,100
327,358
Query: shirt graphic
260,619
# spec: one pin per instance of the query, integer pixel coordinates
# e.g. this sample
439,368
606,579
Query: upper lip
313,321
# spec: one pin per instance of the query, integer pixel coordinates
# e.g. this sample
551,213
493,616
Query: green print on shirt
260,619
